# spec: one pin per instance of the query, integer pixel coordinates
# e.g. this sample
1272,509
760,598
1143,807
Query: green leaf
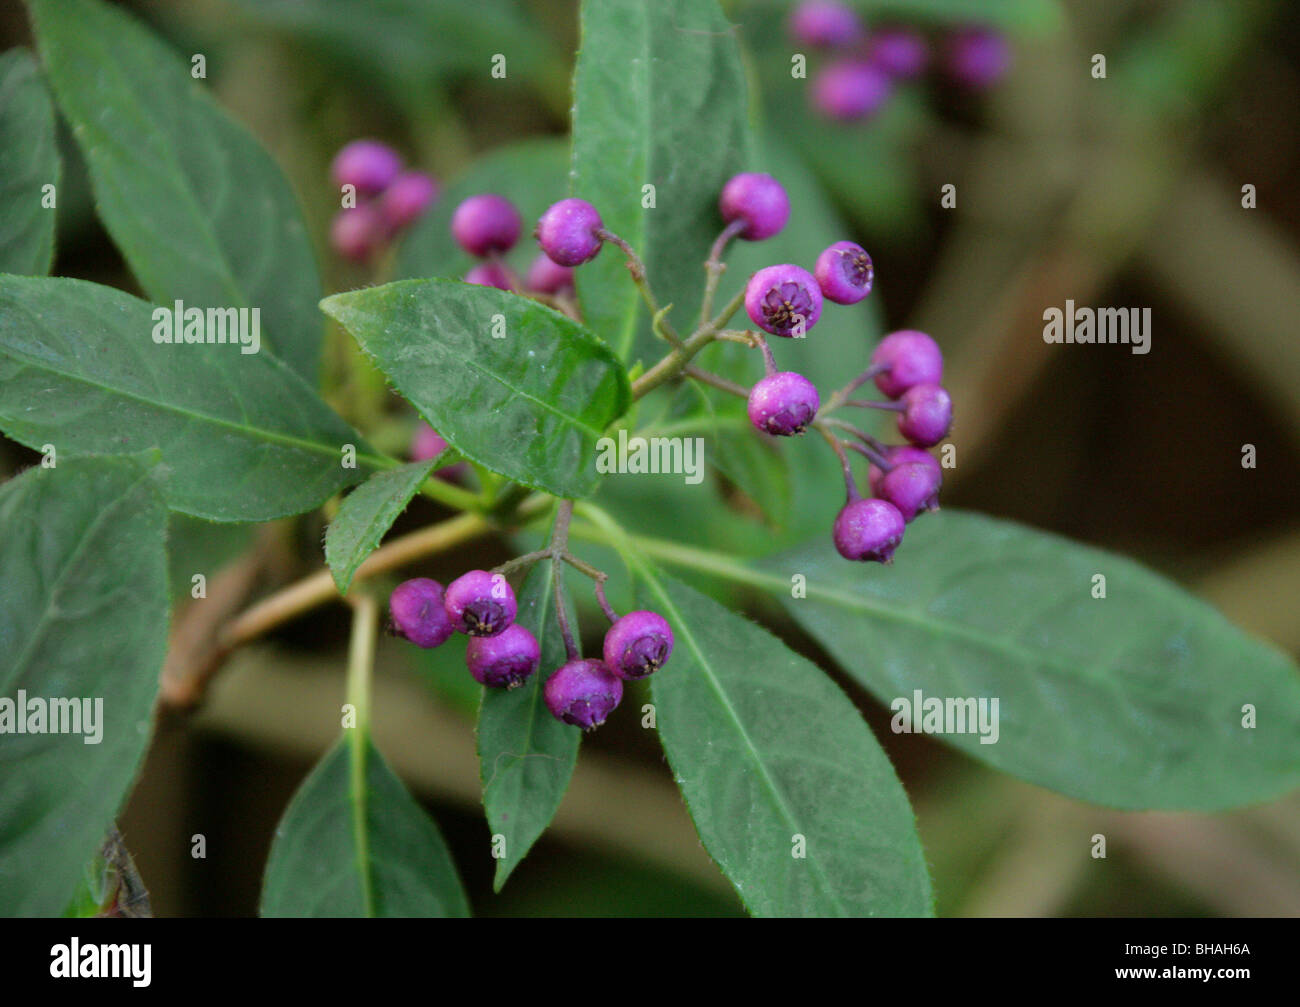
766,749
29,160
368,512
659,99
1020,16
83,616
198,208
245,439
529,405
532,175
348,851
1133,701
525,755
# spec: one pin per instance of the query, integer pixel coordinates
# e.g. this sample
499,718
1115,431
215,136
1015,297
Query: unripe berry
407,198
503,661
547,277
368,165
978,57
783,300
912,488
757,199
418,613
567,232
911,358
485,224
489,274
783,404
638,644
903,454
357,233
583,693
824,23
900,52
927,415
868,530
480,603
844,272
847,92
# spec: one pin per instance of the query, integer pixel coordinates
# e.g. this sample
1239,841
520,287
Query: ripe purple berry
638,645
824,23
357,233
850,91
489,274
411,193
900,52
978,57
545,276
757,199
868,530
912,488
427,443
783,300
783,404
485,224
567,232
418,613
927,415
583,693
903,454
844,272
503,661
480,603
910,358
368,165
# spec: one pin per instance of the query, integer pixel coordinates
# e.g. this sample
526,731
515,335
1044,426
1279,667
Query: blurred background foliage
1124,191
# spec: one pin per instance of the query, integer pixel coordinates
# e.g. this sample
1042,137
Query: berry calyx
912,488
844,272
545,276
868,530
902,454
900,52
927,415
411,193
978,57
567,232
909,358
504,661
638,644
583,692
480,603
485,224
825,23
417,610
759,201
368,165
357,233
489,274
850,91
783,300
783,404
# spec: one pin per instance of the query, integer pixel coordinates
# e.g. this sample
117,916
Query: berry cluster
389,198
857,83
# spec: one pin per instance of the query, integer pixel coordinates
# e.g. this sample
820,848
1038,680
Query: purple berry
911,358
759,200
824,23
583,693
903,454
927,415
480,603
567,232
485,224
868,530
912,488
489,274
844,272
427,443
978,57
407,198
783,404
900,52
850,91
545,276
368,165
417,610
357,233
783,300
638,645
503,661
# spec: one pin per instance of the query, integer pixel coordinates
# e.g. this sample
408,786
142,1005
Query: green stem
361,659
674,363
